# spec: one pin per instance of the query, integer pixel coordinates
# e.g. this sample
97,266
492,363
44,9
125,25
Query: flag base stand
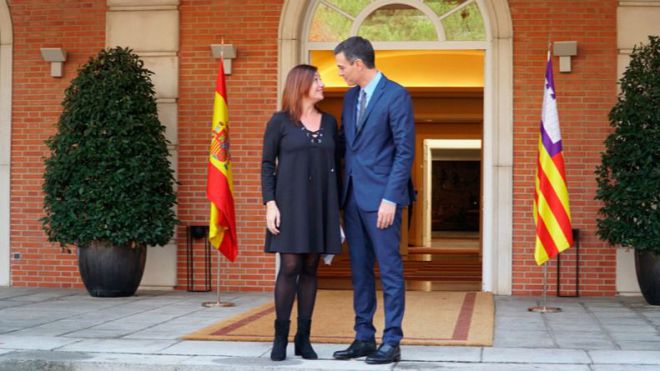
218,303
544,308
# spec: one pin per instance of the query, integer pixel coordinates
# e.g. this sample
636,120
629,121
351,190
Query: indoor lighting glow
414,68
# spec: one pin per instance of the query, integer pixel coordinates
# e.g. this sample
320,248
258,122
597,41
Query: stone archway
498,128
6,38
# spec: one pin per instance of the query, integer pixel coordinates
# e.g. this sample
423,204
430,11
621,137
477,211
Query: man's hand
272,217
386,213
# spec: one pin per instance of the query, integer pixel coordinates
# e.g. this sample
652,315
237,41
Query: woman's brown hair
298,82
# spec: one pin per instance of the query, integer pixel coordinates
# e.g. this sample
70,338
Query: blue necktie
361,107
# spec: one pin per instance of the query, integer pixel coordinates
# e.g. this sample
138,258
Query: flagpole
549,105
222,50
544,308
218,303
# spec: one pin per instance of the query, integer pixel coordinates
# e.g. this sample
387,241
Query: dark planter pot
111,271
647,265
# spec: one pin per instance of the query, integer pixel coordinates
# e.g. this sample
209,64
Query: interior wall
439,114
424,131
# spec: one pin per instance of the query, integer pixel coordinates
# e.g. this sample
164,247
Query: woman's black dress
299,172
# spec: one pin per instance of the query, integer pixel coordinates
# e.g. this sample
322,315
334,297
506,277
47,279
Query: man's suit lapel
378,92
349,125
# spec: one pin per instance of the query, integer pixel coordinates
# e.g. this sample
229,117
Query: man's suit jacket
378,157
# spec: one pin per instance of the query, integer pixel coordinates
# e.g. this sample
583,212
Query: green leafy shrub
108,177
629,175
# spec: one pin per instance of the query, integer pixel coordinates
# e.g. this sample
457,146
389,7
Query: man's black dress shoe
386,354
359,348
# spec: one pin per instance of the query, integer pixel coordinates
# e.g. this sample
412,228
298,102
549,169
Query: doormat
431,318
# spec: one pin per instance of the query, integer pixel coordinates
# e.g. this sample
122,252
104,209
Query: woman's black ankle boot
302,345
281,340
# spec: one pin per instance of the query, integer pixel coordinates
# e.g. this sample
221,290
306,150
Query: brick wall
584,98
78,26
252,26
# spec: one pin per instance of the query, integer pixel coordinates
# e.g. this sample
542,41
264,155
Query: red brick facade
252,89
79,28
584,97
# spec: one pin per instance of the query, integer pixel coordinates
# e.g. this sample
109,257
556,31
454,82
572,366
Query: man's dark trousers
368,244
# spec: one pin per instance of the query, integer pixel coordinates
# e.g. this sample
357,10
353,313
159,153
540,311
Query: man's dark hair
357,47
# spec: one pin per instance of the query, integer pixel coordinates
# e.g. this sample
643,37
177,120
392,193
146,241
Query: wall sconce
227,51
56,56
565,50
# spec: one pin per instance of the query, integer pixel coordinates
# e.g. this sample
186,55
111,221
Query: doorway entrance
418,27
441,235
447,91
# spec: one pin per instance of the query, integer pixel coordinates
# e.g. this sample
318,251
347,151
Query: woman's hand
272,217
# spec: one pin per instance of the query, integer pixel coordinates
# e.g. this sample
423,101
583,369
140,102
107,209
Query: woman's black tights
297,275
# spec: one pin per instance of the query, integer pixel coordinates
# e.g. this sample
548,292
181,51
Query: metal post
544,308
576,246
218,303
193,233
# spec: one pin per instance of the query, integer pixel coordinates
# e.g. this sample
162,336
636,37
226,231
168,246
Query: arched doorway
5,138
298,44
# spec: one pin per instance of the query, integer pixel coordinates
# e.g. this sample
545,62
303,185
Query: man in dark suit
378,136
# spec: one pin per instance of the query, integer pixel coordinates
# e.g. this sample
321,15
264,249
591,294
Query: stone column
5,139
636,20
151,29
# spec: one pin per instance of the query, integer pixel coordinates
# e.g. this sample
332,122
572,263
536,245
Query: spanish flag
219,185
551,210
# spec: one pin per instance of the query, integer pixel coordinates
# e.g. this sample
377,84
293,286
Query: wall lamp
56,56
227,52
565,50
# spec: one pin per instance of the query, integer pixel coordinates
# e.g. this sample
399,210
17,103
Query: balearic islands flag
219,185
551,210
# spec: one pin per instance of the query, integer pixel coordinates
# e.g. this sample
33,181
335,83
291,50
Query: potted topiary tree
108,182
629,175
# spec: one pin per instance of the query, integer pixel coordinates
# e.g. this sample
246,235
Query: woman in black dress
300,189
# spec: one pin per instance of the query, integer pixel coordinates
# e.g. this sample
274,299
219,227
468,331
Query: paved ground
53,329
